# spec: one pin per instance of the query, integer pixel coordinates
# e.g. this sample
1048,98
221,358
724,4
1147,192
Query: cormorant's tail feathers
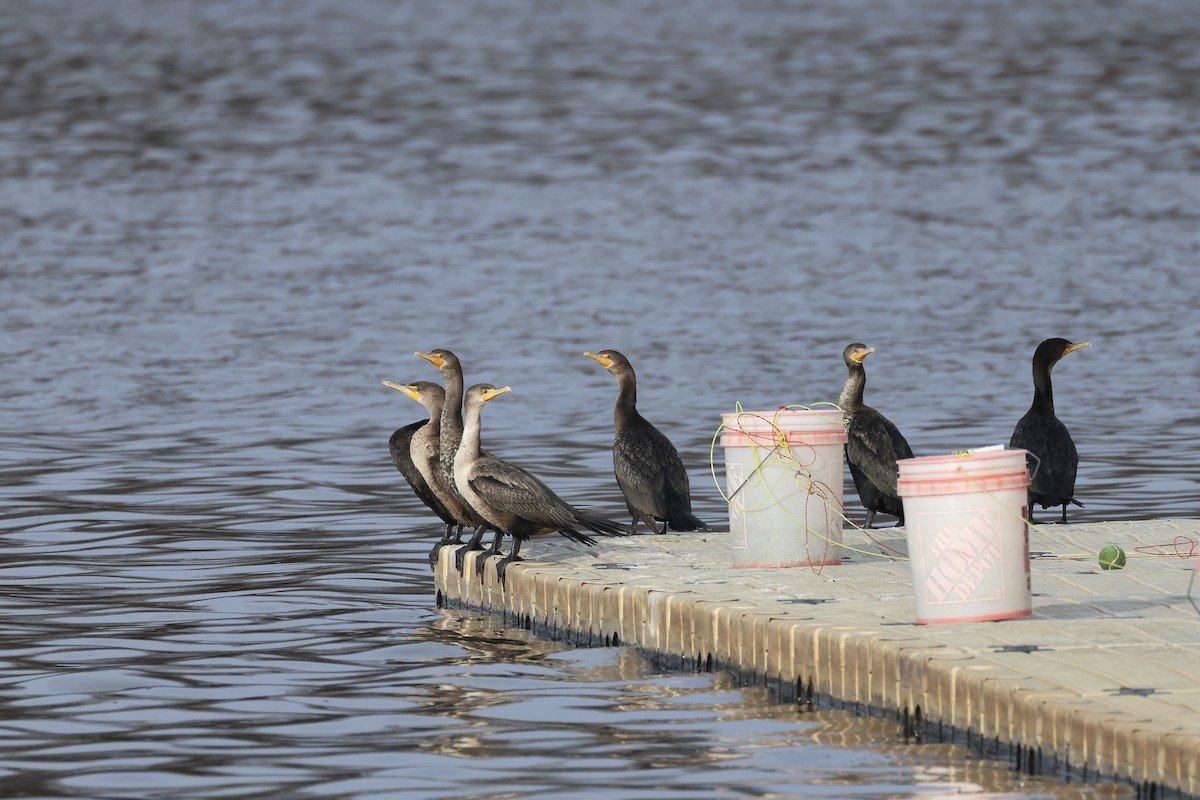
686,521
576,536
602,526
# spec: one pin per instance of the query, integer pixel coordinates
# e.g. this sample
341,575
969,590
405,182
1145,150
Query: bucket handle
1036,466
1034,456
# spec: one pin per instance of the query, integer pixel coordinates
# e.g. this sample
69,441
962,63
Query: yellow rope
782,450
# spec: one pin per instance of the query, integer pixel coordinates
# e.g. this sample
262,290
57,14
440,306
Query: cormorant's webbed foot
460,555
433,554
447,538
502,566
511,558
481,560
493,550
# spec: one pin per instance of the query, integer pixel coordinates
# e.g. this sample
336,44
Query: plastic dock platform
1102,682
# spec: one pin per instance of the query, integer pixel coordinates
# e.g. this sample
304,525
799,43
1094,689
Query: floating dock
1101,683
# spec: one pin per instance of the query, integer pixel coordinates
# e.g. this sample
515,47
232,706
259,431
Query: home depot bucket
968,541
783,478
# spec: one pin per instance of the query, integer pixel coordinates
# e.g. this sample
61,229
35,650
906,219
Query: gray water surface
222,224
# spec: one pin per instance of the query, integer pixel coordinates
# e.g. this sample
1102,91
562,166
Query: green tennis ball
1112,557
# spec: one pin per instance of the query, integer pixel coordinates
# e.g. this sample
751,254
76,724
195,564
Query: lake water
222,224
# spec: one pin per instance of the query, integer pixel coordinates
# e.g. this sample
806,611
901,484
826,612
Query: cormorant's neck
1043,390
468,446
435,422
626,395
852,393
452,419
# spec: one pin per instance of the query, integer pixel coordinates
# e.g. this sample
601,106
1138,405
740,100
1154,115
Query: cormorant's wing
647,467
400,448
508,488
875,445
1056,459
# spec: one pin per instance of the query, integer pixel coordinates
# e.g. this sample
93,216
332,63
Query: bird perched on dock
404,456
422,452
509,498
450,435
1054,459
648,468
874,443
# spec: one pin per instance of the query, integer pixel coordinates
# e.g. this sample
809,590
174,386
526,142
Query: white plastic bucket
968,540
783,478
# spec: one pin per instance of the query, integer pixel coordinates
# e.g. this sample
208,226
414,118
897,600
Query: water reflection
620,721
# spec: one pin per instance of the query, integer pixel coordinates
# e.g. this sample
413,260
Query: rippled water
222,224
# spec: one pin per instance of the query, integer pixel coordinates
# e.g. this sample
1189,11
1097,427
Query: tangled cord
798,457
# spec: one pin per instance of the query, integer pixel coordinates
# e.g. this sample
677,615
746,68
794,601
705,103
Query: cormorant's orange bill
1071,348
407,389
432,359
603,361
488,394
859,355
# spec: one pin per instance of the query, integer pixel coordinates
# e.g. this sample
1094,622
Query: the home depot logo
962,557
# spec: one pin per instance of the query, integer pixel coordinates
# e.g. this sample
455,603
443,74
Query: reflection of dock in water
1102,682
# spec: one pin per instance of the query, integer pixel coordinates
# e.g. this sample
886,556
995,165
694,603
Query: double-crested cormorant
1055,459
511,499
648,468
400,445
874,444
423,453
451,434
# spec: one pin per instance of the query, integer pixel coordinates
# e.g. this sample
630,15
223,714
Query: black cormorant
425,448
400,447
874,444
511,499
1042,434
648,468
451,434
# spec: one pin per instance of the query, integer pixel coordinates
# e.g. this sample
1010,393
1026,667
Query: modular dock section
1102,682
